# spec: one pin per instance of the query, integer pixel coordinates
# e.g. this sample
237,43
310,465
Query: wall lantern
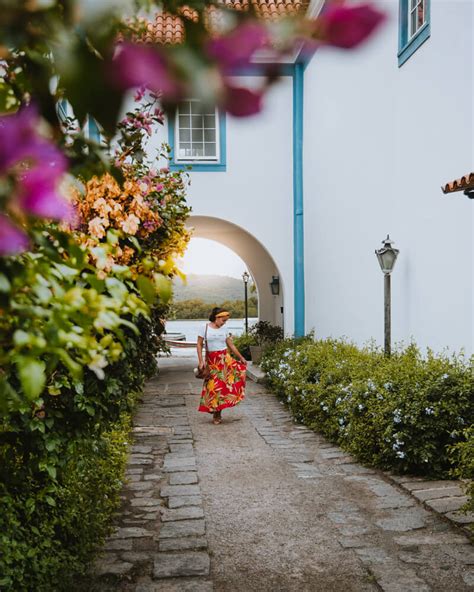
275,285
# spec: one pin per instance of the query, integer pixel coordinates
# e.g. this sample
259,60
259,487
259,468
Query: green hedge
52,522
49,532
408,413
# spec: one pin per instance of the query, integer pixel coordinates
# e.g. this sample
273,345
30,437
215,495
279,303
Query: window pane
197,135
210,121
210,149
198,150
210,135
184,121
196,121
413,3
184,135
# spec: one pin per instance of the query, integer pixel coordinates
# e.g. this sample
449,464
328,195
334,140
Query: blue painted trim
407,48
212,167
260,69
298,211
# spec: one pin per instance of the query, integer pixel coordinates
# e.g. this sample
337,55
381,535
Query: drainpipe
298,224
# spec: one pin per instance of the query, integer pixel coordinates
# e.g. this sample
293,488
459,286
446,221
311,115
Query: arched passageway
258,260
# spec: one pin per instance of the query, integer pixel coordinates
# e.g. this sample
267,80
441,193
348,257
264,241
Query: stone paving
261,503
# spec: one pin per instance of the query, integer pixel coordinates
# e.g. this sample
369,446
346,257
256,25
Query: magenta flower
235,50
242,102
21,143
38,195
138,66
347,26
12,239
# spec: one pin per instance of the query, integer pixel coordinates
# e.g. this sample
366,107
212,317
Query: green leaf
5,285
32,375
49,500
147,288
51,472
164,286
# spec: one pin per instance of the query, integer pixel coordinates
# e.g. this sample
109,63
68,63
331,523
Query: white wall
256,191
379,142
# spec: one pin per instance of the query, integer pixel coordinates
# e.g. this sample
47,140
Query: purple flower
39,196
347,26
20,142
236,49
12,239
242,102
137,66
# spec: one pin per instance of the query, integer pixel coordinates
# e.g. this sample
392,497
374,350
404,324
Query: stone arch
259,262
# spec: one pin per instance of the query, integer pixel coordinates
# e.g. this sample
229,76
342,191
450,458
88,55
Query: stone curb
443,497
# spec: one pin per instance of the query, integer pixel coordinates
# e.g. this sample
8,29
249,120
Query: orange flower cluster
107,205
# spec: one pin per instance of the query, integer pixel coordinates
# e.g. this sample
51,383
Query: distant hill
209,288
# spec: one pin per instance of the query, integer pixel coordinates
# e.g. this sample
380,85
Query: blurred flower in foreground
138,66
12,239
346,26
36,167
242,102
236,49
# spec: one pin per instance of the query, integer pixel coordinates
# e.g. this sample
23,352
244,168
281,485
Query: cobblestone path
259,503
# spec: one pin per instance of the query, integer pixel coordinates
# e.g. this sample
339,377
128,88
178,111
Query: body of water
191,327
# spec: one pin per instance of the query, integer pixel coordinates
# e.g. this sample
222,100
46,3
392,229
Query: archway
258,260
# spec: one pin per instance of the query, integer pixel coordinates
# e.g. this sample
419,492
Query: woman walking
225,386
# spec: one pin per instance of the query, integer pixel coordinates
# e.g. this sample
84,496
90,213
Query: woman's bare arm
234,350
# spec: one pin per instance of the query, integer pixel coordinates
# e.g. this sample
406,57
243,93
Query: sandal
217,419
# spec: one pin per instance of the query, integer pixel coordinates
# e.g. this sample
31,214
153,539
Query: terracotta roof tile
169,29
465,184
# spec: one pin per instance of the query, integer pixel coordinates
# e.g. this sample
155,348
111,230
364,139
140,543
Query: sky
208,257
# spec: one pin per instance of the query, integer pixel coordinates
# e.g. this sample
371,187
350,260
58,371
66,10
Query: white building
352,146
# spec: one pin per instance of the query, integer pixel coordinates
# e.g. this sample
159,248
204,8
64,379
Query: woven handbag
203,373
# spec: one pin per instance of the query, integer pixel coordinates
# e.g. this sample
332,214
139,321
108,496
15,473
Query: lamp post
246,277
387,256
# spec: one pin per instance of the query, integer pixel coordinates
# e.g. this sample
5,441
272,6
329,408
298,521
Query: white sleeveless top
216,338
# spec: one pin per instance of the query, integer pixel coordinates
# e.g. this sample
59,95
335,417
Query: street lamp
387,256
246,277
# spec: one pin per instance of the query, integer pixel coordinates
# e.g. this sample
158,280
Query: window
197,136
414,27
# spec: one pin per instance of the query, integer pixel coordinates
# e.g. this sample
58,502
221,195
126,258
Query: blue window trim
203,167
406,48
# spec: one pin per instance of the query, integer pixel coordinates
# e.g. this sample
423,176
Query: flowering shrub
401,413
81,313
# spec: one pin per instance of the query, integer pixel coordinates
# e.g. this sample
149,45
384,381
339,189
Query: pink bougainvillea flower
139,66
347,26
12,239
242,102
20,142
38,195
235,50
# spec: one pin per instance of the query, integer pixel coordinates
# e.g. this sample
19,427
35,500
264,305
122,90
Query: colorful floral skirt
226,385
